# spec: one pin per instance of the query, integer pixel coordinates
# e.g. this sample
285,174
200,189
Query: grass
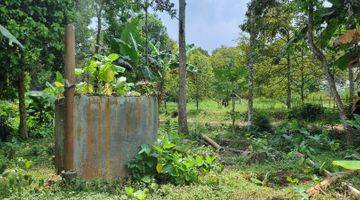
239,178
210,111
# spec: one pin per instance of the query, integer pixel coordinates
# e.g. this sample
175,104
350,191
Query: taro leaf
106,73
129,191
118,69
28,164
348,164
112,57
12,38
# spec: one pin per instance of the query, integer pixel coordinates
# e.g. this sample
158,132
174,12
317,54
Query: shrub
9,120
308,112
171,159
15,180
262,123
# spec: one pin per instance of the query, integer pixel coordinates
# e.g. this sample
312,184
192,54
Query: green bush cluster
15,180
172,159
9,120
307,112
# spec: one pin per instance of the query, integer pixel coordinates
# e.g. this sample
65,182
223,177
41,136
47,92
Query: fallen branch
211,142
219,148
327,182
355,192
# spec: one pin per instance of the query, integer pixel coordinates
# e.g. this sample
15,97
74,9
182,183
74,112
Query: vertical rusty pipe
69,95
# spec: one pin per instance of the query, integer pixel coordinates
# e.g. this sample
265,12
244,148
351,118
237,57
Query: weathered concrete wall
108,132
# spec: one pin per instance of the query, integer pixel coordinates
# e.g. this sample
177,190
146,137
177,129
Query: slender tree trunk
302,87
22,109
183,127
351,89
326,67
250,66
329,77
233,113
147,32
302,79
288,73
99,26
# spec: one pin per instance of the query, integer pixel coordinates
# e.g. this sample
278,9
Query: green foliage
308,112
261,123
136,195
172,159
348,164
355,122
41,110
15,180
293,137
9,120
8,35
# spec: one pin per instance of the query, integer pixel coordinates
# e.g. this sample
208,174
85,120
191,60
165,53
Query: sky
209,23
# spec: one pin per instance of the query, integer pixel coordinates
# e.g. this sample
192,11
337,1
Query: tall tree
41,34
182,119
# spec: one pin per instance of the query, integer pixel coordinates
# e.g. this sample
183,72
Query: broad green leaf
112,57
118,69
12,38
28,164
106,73
348,164
168,145
129,191
58,84
79,72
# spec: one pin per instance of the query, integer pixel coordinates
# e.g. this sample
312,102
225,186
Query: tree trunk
233,113
302,87
146,8
288,73
351,90
22,109
99,27
183,128
250,66
326,67
302,76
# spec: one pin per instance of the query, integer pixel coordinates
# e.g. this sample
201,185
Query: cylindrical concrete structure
107,133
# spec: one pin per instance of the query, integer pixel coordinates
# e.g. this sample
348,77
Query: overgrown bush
15,180
262,123
9,120
172,159
308,112
293,137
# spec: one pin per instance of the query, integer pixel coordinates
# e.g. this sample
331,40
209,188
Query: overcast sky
209,23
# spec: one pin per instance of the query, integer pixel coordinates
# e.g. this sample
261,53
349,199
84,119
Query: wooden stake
69,95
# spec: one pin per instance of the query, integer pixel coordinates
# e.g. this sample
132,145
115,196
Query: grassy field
240,178
275,176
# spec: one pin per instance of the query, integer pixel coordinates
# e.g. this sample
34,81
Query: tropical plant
348,164
171,159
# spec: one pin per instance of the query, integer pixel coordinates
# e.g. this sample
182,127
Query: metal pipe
69,95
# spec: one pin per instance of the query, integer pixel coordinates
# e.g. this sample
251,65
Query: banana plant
348,164
8,35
